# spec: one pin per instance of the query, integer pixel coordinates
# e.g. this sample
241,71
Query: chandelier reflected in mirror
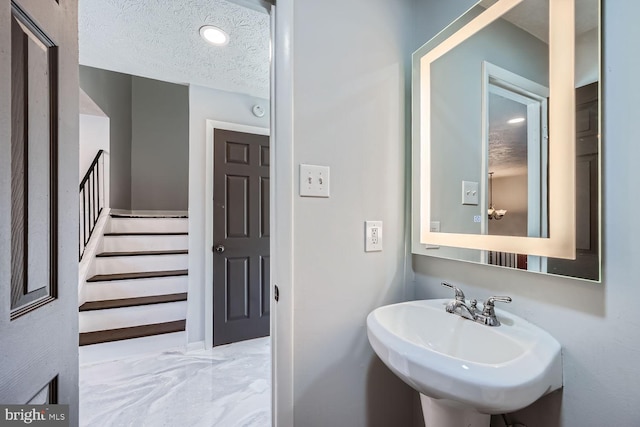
496,214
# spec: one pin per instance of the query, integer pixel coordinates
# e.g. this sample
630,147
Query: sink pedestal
445,413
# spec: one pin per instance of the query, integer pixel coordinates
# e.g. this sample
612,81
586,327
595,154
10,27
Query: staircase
136,292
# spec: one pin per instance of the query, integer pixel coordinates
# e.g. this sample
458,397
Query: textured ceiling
507,142
160,39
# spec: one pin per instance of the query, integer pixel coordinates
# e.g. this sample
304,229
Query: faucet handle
489,303
457,290
491,300
489,312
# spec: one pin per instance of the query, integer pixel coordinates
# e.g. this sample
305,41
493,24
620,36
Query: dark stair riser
141,275
110,335
142,253
126,216
132,302
149,233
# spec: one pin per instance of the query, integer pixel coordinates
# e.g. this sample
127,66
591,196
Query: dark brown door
240,236
38,203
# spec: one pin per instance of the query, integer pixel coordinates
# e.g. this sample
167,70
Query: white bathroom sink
491,369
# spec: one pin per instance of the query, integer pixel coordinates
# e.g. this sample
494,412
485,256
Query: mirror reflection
492,120
489,137
517,154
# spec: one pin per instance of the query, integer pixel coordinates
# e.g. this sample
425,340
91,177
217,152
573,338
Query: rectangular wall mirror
506,144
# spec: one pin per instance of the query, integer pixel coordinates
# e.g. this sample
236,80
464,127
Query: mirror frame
562,205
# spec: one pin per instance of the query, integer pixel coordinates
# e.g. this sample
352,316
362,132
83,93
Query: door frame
535,97
283,187
282,176
212,125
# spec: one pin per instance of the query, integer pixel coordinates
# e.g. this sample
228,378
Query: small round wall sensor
258,111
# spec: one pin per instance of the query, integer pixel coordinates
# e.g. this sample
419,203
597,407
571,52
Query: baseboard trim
195,346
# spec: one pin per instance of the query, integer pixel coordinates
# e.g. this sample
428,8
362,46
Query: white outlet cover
372,236
314,181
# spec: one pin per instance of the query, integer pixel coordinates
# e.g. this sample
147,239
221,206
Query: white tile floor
228,386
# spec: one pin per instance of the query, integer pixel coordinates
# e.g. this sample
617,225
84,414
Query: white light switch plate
314,181
372,236
469,193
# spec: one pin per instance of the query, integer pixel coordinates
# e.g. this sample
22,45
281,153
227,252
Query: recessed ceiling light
516,120
214,35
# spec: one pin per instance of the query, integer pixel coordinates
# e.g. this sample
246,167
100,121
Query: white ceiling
533,16
160,39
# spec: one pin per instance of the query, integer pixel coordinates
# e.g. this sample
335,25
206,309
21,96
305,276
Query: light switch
372,236
314,181
469,193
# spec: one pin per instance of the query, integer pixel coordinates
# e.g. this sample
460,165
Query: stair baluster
91,200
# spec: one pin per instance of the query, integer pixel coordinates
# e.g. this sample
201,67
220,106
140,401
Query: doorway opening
212,109
238,232
515,141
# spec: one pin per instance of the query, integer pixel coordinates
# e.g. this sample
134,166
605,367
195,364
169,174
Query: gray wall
159,145
349,114
587,58
112,92
149,126
594,323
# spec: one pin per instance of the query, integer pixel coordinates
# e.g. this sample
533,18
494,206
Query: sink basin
463,364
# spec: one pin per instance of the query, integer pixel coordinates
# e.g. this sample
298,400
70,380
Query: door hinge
276,293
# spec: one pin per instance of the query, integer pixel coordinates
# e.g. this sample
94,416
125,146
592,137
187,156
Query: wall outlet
372,236
314,181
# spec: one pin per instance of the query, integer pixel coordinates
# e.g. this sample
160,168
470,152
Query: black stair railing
91,199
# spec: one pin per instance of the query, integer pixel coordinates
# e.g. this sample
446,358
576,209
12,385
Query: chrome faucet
460,302
488,315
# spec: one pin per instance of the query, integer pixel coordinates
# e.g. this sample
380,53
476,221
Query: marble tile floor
227,386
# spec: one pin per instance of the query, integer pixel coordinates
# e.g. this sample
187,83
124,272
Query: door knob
219,248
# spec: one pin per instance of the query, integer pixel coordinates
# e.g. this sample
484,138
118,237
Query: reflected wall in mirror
485,116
